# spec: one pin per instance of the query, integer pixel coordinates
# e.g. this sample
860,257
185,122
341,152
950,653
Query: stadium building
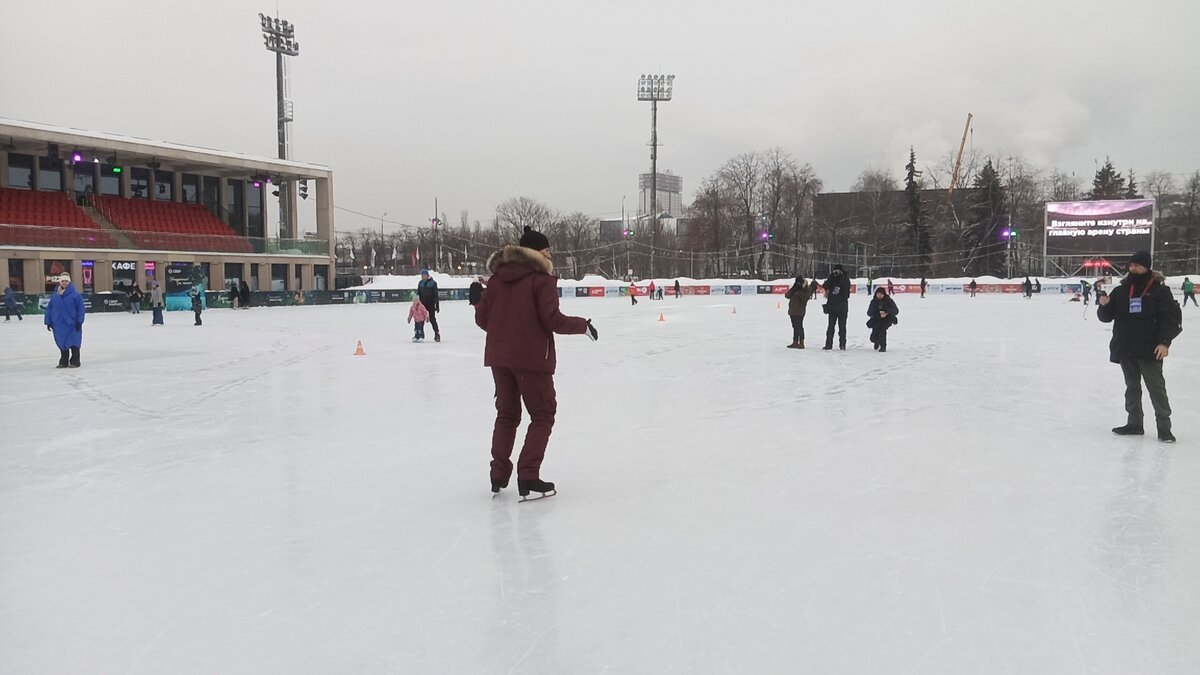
116,211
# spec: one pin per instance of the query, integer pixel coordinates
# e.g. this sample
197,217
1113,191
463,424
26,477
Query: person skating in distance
1145,320
798,296
427,292
837,305
64,318
519,311
881,315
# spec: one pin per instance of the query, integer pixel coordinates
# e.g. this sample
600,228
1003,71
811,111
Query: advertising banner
612,292
581,291
595,292
779,290
88,271
763,290
733,290
700,290
53,268
1105,227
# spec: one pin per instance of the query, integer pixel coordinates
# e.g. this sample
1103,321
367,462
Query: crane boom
958,160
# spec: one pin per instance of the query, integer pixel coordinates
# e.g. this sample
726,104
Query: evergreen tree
988,217
918,226
1108,183
1131,192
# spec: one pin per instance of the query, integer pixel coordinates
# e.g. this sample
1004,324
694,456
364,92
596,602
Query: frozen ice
249,496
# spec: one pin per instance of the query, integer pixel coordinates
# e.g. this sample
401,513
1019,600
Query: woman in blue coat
64,318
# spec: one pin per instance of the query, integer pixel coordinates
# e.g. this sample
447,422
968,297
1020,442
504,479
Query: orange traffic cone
359,351
661,317
735,310
777,305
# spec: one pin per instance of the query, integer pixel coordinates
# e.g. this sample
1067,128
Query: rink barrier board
35,303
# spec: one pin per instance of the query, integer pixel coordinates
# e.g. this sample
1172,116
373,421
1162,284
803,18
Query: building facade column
3,170
263,276
4,272
103,280
176,187
306,278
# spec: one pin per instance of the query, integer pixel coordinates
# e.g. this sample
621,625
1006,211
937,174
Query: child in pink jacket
418,313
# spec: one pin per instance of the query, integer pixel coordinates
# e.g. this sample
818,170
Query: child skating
418,314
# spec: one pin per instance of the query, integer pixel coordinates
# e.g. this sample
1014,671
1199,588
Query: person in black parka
837,305
881,315
244,295
475,292
1145,318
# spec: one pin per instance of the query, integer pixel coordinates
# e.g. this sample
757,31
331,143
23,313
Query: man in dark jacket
881,315
427,291
1145,319
11,305
519,310
837,305
244,295
475,291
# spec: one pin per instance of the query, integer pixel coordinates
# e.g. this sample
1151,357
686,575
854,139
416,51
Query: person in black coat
197,306
837,305
135,299
881,315
1145,318
475,292
234,295
244,295
427,292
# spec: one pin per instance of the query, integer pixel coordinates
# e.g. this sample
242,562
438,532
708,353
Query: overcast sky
472,102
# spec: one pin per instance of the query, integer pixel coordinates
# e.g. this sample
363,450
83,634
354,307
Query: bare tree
517,213
779,172
742,177
1062,187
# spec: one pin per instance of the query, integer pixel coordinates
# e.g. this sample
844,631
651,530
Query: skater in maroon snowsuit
519,311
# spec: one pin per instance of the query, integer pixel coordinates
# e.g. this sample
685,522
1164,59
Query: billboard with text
1107,227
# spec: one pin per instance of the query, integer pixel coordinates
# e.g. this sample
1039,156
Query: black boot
498,485
74,357
1165,435
62,358
828,346
1129,430
524,487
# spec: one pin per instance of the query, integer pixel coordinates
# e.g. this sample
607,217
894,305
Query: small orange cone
359,351
777,305
661,317
735,310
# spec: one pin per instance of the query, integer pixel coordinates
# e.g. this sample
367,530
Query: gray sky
476,101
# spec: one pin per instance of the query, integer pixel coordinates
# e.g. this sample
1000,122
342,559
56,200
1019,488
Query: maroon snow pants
537,391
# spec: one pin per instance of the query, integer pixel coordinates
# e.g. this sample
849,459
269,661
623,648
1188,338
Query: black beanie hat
534,239
1142,258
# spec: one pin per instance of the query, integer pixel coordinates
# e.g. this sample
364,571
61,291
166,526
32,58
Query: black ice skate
1166,436
1129,430
437,337
497,486
524,487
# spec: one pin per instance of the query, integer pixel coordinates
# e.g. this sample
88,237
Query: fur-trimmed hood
521,256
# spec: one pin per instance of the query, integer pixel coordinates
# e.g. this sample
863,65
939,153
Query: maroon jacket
519,311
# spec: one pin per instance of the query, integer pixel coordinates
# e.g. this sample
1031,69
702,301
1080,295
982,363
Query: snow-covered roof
13,132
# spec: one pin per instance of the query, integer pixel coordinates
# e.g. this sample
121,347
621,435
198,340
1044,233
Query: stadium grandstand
127,208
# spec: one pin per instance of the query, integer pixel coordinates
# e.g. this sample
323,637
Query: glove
591,331
79,326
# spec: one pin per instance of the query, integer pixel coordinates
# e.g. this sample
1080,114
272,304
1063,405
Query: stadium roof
19,136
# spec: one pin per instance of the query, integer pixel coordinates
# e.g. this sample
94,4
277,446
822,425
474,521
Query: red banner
779,290
595,291
699,290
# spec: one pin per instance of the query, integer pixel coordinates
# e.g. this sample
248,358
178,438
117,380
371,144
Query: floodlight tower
279,36
654,88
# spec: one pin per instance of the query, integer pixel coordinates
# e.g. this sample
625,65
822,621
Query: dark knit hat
534,239
1142,258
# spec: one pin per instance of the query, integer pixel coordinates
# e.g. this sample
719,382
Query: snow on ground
250,497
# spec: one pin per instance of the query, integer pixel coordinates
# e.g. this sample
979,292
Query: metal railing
68,237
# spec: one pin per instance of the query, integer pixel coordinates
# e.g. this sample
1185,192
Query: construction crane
958,160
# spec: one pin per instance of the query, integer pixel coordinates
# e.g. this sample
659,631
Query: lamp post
654,88
279,36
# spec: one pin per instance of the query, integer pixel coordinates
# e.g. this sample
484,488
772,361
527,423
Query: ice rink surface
249,497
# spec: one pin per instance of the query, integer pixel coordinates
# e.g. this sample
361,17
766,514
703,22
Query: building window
321,277
139,182
279,277
164,185
254,211
110,183
20,171
236,201
191,188
50,174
